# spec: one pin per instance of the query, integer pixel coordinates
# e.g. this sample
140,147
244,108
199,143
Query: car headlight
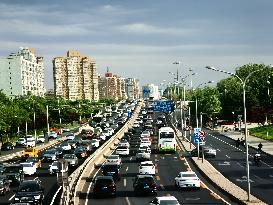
37,197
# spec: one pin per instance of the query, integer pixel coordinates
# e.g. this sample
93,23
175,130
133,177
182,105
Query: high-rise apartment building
111,86
150,91
75,77
132,89
22,74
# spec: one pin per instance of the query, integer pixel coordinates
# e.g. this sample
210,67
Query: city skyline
142,39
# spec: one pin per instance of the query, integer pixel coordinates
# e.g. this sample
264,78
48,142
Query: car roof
104,177
144,176
166,198
188,172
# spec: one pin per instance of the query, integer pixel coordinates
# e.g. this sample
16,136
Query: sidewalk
252,141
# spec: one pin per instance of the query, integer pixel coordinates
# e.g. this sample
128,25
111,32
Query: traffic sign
196,133
202,135
163,106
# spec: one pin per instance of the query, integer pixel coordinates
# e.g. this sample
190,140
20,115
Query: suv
144,184
50,155
111,169
104,185
14,173
29,191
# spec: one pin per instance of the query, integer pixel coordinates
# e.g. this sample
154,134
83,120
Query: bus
166,140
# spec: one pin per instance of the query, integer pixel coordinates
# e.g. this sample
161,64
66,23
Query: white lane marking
225,163
53,199
271,176
11,197
131,158
228,156
240,165
126,169
127,200
124,182
192,199
257,177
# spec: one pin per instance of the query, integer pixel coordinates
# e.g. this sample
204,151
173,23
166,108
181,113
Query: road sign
129,114
202,135
196,138
163,105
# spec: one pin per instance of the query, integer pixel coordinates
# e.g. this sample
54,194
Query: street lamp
243,82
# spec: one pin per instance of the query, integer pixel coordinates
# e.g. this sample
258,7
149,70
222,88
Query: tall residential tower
75,77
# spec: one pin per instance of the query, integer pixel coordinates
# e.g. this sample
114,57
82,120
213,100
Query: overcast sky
142,38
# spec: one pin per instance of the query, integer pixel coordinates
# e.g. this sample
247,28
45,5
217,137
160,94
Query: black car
14,173
7,146
111,169
30,191
4,184
144,184
104,185
80,152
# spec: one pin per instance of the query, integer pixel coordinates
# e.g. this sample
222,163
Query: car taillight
153,185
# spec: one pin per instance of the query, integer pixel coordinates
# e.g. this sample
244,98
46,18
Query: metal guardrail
75,177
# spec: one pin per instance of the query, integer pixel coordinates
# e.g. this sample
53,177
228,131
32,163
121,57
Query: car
72,159
66,130
80,152
7,146
4,184
142,155
50,155
53,135
146,133
122,150
104,185
144,184
54,168
187,179
136,124
73,143
102,136
111,130
111,169
114,158
21,142
145,141
144,147
29,152
95,142
124,142
146,167
30,142
208,151
29,168
35,160
41,139
87,144
65,146
164,200
29,192
70,136
106,132
14,173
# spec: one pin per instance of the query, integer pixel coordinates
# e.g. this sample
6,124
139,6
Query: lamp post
243,83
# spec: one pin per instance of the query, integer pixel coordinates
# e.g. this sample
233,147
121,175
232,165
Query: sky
142,39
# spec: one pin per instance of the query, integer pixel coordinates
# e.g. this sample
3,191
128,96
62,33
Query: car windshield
12,169
122,147
50,152
27,165
28,150
29,187
110,167
30,159
100,182
112,157
169,202
146,180
188,175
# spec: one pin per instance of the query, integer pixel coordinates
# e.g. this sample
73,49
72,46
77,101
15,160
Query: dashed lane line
11,197
124,182
54,197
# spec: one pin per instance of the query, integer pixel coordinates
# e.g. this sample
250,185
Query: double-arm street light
243,83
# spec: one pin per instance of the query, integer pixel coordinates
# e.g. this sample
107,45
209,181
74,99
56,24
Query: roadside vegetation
263,132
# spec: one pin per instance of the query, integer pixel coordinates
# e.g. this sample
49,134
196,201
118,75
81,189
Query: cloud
142,28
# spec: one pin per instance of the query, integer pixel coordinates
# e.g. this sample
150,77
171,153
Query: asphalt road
168,166
231,162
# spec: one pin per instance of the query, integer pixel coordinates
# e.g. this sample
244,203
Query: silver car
71,159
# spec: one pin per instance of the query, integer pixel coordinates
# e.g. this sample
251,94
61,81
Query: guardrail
76,179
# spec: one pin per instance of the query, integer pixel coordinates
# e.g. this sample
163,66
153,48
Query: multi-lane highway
231,162
167,168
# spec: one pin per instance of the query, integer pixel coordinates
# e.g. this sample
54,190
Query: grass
263,132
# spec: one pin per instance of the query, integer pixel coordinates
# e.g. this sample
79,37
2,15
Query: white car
146,141
122,150
65,146
144,147
53,135
124,143
136,125
163,200
114,158
66,130
31,142
187,180
53,168
95,142
21,142
147,167
111,130
29,168
41,139
106,132
102,136
70,136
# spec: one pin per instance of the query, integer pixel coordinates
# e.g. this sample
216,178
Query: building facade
132,89
22,74
75,77
150,91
